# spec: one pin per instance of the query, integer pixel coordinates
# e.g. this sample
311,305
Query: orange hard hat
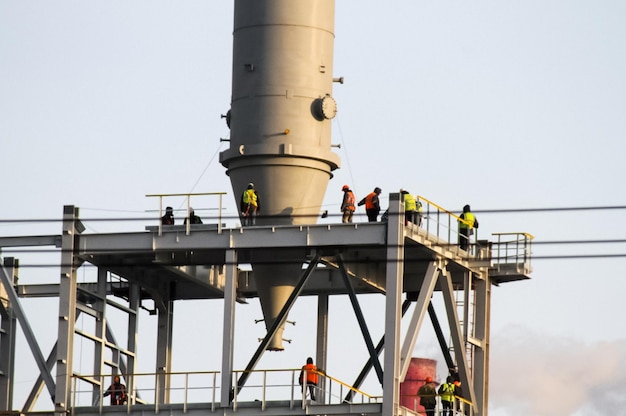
429,379
345,187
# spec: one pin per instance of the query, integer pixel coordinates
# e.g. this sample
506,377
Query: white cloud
539,374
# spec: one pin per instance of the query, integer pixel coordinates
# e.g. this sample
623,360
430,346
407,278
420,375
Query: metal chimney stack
280,125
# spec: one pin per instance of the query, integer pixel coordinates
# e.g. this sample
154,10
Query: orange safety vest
350,199
311,373
369,200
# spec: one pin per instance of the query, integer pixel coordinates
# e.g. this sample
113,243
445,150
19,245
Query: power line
236,216
152,218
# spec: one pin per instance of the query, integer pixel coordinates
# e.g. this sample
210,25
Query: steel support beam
370,363
443,345
321,349
393,309
458,341
8,327
228,332
165,317
100,333
421,307
480,369
361,320
128,370
31,340
67,310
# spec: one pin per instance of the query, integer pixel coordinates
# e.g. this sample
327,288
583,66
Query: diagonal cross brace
280,319
457,336
361,319
369,364
28,332
421,307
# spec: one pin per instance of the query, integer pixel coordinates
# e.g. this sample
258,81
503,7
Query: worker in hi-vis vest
466,227
372,205
446,394
348,204
309,377
250,206
410,207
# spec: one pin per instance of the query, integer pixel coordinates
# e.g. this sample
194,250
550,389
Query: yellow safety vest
447,392
469,218
249,197
409,202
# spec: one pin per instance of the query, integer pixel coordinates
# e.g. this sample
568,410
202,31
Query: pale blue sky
503,105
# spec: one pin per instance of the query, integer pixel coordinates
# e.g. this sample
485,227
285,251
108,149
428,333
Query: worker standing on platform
250,205
193,218
446,392
309,376
466,227
117,391
347,205
168,218
428,396
372,205
410,207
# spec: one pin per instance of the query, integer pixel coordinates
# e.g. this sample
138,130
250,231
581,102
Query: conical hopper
275,283
276,273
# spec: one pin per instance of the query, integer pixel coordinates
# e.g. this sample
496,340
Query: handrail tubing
189,195
440,208
96,384
525,234
515,250
458,407
436,216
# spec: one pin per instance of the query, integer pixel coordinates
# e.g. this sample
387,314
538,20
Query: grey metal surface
280,124
282,63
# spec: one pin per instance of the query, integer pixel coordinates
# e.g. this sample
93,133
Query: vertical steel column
134,299
100,333
482,330
67,311
228,332
8,326
321,354
393,305
165,307
467,302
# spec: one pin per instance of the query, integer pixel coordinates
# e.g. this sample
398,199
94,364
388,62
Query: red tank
419,369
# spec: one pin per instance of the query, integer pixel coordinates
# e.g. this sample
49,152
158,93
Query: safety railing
270,385
460,406
186,388
512,252
444,224
188,209
147,388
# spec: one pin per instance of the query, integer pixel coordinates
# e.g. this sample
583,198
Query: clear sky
503,105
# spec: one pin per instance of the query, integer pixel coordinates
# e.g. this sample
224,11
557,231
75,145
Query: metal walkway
166,264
